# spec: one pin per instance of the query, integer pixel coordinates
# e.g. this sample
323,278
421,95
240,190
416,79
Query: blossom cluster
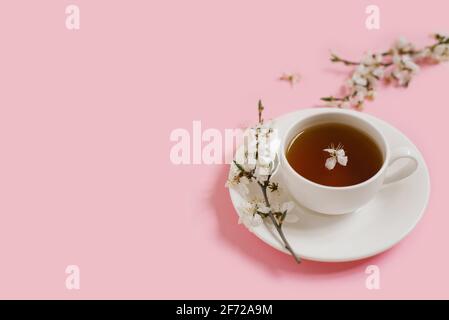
397,65
254,167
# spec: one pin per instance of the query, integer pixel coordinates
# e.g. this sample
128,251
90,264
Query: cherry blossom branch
276,217
260,173
335,58
397,65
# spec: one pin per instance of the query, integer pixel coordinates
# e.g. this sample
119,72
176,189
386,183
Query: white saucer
378,226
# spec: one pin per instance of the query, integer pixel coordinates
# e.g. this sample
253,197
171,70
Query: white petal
244,180
360,96
291,217
251,221
342,160
361,70
242,189
412,66
402,43
396,59
378,72
378,57
256,220
261,178
330,163
439,49
361,89
287,206
359,80
329,150
340,153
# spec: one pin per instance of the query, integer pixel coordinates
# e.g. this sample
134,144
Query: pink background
85,119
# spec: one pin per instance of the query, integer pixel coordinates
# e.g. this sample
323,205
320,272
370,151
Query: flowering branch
257,168
277,218
397,65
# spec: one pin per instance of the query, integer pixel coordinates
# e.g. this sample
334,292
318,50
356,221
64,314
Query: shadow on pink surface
252,248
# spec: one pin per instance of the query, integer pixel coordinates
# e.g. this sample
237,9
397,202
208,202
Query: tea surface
306,156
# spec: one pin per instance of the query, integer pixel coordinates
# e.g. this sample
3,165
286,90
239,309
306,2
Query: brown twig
277,225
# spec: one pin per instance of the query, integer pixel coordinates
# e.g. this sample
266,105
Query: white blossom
403,45
363,81
399,63
404,67
261,147
254,165
234,181
370,59
378,72
249,216
441,52
337,155
410,64
287,207
359,79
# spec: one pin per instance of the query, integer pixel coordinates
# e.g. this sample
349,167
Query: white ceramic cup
340,200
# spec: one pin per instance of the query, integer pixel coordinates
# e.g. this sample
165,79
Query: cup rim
348,113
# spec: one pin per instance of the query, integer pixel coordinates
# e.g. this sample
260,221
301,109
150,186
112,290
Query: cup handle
407,169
